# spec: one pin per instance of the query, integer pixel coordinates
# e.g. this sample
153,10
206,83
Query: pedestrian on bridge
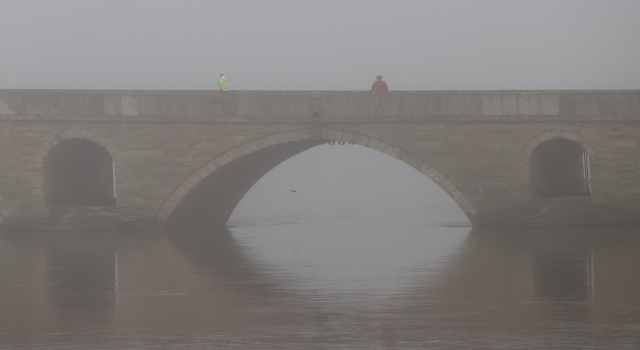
223,84
379,86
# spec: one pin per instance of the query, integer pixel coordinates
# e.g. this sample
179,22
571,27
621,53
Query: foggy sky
320,45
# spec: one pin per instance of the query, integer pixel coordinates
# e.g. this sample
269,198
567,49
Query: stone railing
324,106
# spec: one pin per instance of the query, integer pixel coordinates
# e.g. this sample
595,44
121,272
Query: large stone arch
248,148
526,152
68,135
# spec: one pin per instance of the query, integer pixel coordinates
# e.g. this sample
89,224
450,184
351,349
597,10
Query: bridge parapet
325,106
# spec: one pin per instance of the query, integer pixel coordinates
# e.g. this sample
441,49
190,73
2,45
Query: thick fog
323,45
320,45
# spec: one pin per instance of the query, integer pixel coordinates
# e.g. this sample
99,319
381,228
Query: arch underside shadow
208,196
559,168
78,172
525,154
72,134
211,202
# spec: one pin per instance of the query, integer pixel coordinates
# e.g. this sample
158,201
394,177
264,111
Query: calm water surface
357,280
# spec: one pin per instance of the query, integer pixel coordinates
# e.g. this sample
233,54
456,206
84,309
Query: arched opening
208,196
78,172
559,168
345,182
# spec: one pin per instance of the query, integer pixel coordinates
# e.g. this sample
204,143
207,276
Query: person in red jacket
379,86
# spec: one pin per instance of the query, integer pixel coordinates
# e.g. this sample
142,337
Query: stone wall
475,145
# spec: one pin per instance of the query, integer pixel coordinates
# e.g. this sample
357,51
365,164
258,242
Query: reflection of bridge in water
188,157
521,286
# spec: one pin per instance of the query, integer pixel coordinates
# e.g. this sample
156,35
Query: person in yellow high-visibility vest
223,84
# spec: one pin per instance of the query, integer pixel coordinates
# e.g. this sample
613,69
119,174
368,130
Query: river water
305,270
404,279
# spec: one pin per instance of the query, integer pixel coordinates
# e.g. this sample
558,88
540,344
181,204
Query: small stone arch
116,156
80,134
311,134
526,152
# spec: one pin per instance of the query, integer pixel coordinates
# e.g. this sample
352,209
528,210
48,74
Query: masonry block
203,172
154,153
529,104
210,167
623,143
281,138
294,135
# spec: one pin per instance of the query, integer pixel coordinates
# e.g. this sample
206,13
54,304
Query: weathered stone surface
295,106
623,143
129,105
154,154
475,145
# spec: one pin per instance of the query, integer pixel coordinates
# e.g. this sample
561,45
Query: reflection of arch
223,258
525,155
76,134
304,139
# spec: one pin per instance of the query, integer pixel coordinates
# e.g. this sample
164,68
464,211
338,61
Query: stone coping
318,106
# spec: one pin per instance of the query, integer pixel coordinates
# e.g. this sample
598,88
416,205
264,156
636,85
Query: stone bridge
142,158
